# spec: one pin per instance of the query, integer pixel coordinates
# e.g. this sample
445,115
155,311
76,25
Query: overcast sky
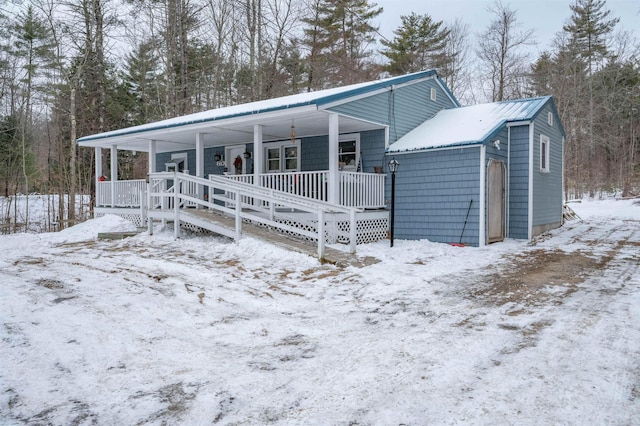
545,16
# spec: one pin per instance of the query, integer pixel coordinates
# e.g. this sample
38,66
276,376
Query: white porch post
199,165
258,154
152,157
334,176
152,169
114,173
98,154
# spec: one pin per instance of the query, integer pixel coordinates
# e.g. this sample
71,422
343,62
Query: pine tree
338,37
589,26
418,44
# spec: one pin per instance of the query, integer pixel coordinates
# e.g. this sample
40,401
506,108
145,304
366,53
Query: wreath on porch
237,163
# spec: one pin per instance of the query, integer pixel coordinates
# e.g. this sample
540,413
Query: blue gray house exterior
480,168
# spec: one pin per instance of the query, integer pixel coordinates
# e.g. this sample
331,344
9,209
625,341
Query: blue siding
372,150
402,109
547,187
314,153
433,190
518,211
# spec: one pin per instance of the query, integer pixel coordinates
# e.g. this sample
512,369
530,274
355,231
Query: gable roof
314,100
468,125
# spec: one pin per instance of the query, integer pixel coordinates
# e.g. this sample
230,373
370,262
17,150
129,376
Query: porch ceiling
276,126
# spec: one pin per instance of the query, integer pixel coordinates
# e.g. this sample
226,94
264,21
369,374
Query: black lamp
393,167
247,154
217,157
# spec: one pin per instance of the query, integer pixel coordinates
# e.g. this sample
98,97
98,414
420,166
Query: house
315,164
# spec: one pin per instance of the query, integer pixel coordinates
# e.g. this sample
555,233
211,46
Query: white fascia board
374,92
161,133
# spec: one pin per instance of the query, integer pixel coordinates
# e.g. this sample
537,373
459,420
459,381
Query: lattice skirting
370,226
132,215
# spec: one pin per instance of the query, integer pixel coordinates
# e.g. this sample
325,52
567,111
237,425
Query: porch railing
361,190
120,193
219,188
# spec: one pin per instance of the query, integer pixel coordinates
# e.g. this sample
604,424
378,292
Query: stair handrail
242,189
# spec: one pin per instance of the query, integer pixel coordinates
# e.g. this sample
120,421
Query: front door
496,200
236,163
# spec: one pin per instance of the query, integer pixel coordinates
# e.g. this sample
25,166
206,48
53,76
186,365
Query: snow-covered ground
149,330
39,211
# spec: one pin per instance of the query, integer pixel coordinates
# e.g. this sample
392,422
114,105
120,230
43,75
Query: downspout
482,239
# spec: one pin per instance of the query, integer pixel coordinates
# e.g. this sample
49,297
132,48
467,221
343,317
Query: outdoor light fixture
217,157
247,154
393,167
293,132
496,143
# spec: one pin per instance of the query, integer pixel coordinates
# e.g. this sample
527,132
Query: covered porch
278,151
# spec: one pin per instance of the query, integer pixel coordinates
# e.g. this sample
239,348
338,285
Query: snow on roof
467,125
286,102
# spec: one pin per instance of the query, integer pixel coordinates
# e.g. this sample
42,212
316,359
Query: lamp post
393,167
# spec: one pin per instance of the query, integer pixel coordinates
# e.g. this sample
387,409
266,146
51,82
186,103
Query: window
550,118
433,94
282,157
544,153
349,152
178,163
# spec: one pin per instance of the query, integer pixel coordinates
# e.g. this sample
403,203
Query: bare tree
456,72
502,57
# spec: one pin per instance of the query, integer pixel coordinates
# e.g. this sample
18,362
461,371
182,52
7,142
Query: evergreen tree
142,84
418,44
338,38
588,28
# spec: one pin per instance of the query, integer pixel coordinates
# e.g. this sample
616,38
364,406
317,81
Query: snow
466,125
202,330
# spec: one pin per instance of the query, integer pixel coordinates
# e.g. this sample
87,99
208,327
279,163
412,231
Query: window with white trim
544,153
282,156
550,118
349,152
433,94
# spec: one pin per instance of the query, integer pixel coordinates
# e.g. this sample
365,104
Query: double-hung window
282,156
349,152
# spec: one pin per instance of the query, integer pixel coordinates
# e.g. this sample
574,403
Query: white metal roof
234,124
467,125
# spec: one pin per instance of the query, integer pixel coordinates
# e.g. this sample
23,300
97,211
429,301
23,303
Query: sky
545,16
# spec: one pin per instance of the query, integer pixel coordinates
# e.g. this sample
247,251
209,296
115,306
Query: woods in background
70,68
